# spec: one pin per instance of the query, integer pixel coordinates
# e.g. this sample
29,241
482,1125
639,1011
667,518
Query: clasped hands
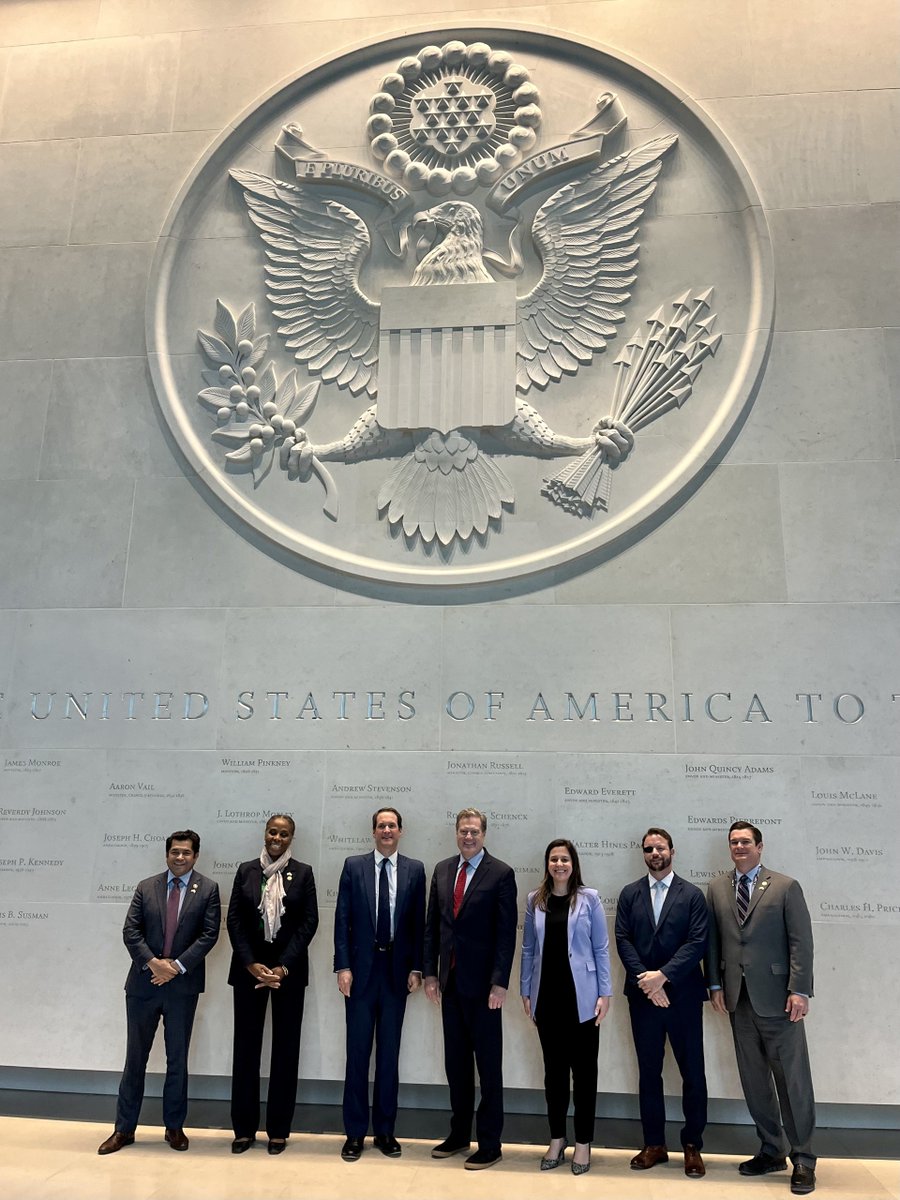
269,977
652,984
162,971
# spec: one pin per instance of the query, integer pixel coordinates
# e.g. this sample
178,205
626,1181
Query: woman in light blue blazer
566,987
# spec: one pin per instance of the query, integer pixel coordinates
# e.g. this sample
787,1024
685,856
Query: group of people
752,931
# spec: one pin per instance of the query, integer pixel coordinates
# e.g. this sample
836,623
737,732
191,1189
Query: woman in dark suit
272,918
566,986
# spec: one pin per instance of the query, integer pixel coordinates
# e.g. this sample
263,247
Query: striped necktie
743,898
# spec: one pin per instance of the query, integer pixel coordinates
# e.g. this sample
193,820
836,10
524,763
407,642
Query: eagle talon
615,438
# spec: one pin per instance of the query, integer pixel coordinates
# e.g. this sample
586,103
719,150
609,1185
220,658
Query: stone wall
163,663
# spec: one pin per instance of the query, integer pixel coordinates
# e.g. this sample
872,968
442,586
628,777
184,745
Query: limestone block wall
161,667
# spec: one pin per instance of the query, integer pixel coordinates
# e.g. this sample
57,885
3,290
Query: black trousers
249,1021
177,1009
473,1036
682,1023
570,1050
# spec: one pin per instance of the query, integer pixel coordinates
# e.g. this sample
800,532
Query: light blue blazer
588,952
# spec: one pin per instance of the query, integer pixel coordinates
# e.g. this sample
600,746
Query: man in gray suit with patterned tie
172,924
760,971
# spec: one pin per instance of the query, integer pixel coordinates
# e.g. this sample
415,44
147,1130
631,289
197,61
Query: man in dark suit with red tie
379,925
172,924
661,931
470,938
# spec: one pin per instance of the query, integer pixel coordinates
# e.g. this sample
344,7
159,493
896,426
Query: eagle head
449,244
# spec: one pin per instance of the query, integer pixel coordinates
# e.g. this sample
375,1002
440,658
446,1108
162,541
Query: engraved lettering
469,704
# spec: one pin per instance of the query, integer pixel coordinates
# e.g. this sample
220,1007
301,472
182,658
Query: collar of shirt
751,875
666,880
186,879
473,862
379,859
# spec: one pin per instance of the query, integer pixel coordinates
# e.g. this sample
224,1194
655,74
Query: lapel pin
289,876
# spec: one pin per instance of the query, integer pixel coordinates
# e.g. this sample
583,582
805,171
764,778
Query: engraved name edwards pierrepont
449,364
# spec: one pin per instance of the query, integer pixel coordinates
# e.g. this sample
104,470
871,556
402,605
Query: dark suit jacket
772,951
144,932
355,919
676,946
483,935
298,925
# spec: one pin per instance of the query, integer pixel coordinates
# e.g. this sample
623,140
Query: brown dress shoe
649,1157
116,1141
693,1163
177,1139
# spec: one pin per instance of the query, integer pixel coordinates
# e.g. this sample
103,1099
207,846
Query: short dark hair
282,817
757,835
390,810
472,812
655,832
184,835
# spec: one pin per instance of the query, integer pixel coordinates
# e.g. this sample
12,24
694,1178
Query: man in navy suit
470,938
661,930
172,924
379,925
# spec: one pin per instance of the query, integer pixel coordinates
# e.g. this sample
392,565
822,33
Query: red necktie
171,917
459,889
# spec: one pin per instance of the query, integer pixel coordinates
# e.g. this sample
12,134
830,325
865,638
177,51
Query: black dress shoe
450,1145
352,1149
482,1159
387,1144
116,1141
177,1139
277,1145
240,1145
803,1180
762,1164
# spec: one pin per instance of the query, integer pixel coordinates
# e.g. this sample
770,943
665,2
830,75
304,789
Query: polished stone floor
42,1159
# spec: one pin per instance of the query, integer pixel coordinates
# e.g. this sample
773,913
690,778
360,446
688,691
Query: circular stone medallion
414,320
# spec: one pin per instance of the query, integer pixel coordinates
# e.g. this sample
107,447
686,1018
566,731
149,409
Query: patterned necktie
171,917
659,896
743,898
383,922
459,889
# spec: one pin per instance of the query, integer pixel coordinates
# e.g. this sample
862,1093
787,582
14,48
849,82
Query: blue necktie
659,897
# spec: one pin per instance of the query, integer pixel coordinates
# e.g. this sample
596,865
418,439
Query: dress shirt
751,878
666,881
392,882
184,880
472,864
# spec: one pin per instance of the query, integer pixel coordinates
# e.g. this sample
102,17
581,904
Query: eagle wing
315,249
585,236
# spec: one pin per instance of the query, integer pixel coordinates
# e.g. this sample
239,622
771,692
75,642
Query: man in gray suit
760,970
171,925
